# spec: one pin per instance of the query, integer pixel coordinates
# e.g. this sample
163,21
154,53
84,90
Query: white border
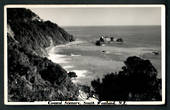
163,65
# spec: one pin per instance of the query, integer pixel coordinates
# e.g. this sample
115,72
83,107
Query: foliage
35,34
32,77
137,81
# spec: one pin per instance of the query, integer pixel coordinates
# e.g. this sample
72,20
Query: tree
136,81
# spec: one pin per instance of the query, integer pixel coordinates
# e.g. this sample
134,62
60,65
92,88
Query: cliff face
31,76
34,33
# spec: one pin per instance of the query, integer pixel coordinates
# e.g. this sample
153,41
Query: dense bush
35,33
32,77
137,81
19,14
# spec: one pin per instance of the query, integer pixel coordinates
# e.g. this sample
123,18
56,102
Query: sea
140,36
90,61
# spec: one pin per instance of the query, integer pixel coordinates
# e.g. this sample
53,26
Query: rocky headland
31,76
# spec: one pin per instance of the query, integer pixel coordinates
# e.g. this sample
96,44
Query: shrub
136,81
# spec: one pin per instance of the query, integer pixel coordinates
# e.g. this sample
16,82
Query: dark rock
98,43
111,38
101,39
107,40
72,74
119,40
155,53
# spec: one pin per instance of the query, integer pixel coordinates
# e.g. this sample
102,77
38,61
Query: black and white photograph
84,54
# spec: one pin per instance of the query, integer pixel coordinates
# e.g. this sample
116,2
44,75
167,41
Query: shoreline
61,58
67,61
55,55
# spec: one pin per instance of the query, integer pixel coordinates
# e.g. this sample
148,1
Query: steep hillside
31,76
34,33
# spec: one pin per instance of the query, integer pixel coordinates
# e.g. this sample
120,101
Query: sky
101,16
